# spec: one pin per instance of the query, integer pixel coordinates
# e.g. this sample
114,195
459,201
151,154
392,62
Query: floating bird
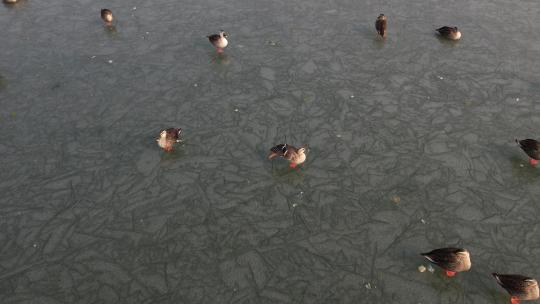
167,138
519,287
293,155
107,16
449,32
219,41
532,148
450,259
11,1
380,25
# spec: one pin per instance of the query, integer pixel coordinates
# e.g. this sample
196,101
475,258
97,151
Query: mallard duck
293,155
450,259
219,41
532,148
519,287
380,25
167,138
107,16
449,32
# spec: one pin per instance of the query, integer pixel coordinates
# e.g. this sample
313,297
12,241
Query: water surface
410,148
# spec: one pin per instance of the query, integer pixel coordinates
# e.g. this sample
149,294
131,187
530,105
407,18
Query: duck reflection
222,59
13,3
3,83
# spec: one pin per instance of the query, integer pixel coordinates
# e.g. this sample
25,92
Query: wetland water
410,149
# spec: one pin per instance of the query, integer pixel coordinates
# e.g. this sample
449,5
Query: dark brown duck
168,137
532,148
519,287
295,156
449,32
107,16
380,25
450,259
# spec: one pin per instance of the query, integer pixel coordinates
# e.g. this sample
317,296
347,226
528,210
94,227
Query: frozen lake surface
410,149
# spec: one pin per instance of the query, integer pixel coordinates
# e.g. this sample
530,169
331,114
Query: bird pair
296,156
449,32
219,41
454,260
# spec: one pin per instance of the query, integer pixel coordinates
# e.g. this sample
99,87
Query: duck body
168,137
107,16
449,32
450,259
380,25
532,148
519,287
11,1
295,156
219,41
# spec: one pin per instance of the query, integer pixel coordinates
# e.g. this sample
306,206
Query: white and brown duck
107,16
532,148
219,41
519,287
168,137
449,32
380,25
451,259
295,156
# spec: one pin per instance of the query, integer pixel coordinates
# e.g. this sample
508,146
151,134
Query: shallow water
410,148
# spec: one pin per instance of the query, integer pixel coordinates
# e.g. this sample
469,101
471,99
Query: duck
451,259
295,156
168,137
11,1
107,16
380,25
519,287
449,32
219,41
532,148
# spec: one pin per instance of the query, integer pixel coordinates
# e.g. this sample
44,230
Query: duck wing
278,150
445,30
531,147
214,38
173,134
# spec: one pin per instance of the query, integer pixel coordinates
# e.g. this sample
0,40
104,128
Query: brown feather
449,32
380,25
288,152
521,287
106,14
453,259
531,147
